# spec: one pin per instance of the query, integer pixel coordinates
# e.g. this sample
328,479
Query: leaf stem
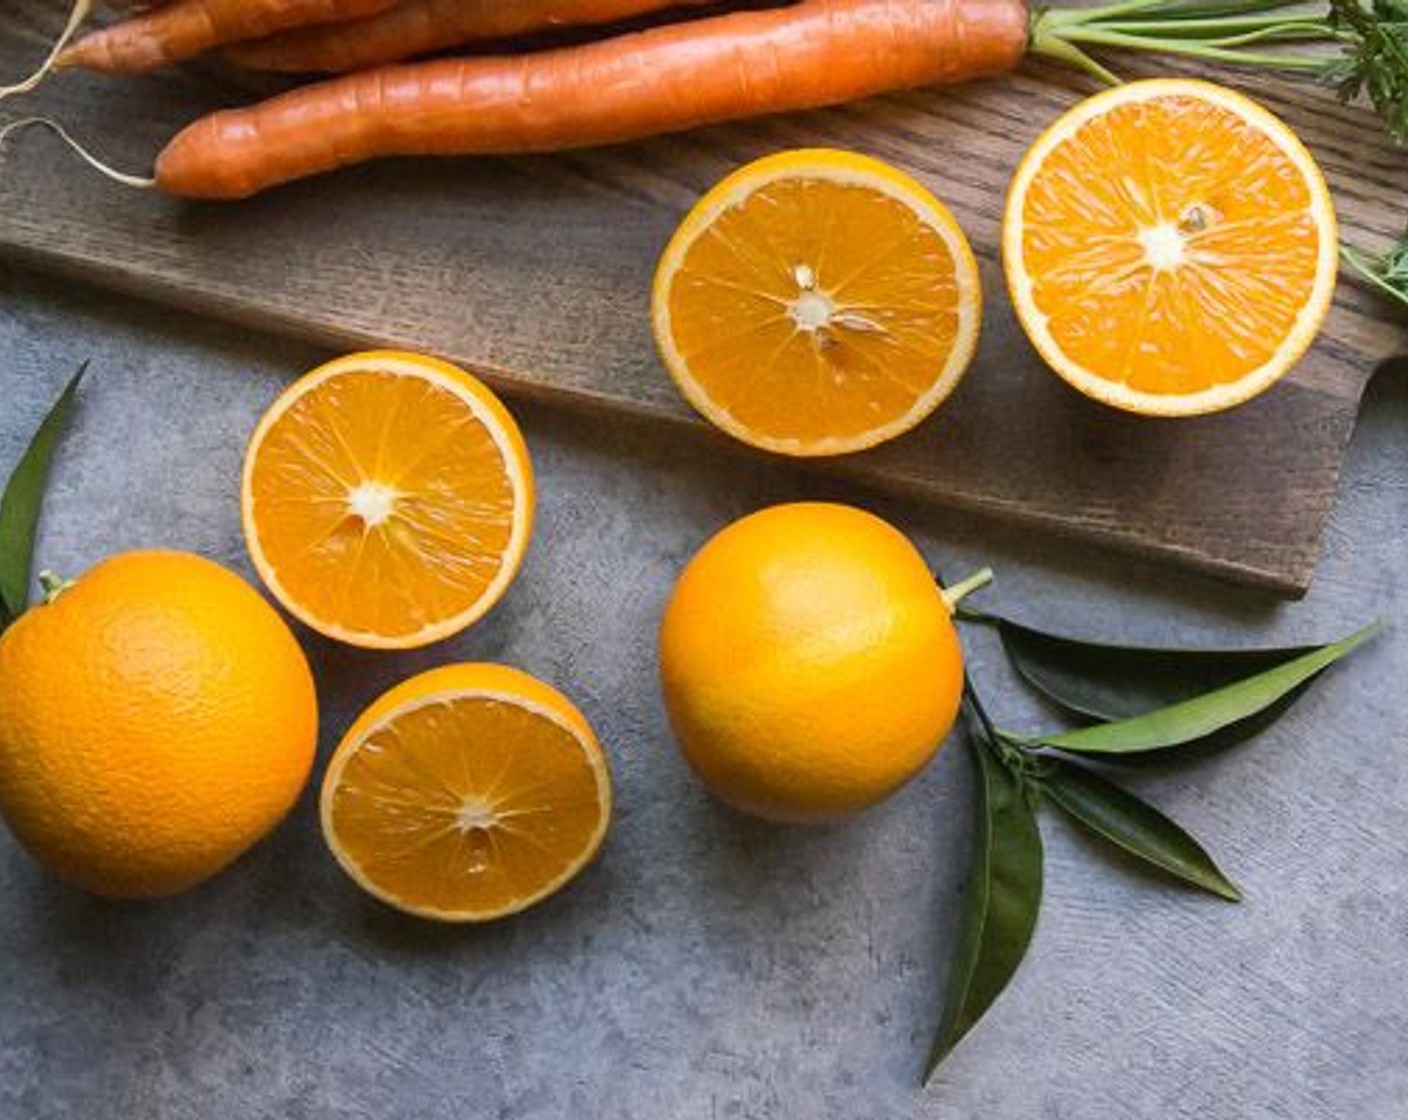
1217,28
1059,49
1192,48
1371,37
980,712
53,585
954,595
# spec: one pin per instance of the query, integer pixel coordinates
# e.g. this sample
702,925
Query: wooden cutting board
536,272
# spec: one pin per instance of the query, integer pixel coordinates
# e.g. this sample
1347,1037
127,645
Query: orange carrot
820,52
417,27
185,28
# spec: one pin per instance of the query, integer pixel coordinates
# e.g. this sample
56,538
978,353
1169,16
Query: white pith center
475,815
372,503
811,310
1164,246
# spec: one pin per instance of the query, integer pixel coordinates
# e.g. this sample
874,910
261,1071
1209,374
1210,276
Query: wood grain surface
536,272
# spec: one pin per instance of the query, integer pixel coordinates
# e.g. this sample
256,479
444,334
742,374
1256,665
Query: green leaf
1133,825
1103,682
1387,272
1191,721
1374,58
1097,681
1004,897
20,506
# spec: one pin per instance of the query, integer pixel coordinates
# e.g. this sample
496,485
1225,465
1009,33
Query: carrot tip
70,58
82,9
137,182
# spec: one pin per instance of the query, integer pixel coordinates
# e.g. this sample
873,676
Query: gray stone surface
708,966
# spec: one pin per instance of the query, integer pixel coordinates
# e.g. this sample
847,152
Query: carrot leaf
1372,37
1375,58
1387,272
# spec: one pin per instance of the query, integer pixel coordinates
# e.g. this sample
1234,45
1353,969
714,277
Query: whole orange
157,718
809,662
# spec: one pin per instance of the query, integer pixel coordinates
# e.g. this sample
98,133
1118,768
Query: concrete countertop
709,966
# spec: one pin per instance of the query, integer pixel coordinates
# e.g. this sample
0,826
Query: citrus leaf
1094,680
23,498
1126,821
1192,721
1234,734
1004,898
1106,682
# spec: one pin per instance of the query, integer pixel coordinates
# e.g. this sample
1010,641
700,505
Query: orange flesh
448,529
1249,261
746,285
467,806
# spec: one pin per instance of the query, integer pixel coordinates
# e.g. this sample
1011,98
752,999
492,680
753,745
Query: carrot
185,28
813,53
820,52
417,27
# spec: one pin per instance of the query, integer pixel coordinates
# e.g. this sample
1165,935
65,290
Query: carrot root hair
77,17
137,182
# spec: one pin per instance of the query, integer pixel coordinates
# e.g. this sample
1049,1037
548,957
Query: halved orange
817,302
388,499
466,794
1171,247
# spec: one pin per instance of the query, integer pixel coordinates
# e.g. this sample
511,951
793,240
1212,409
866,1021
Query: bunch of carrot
721,63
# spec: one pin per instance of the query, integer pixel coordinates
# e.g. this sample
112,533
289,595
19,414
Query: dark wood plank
536,272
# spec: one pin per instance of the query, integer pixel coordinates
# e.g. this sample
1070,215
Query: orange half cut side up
388,499
1171,247
817,302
